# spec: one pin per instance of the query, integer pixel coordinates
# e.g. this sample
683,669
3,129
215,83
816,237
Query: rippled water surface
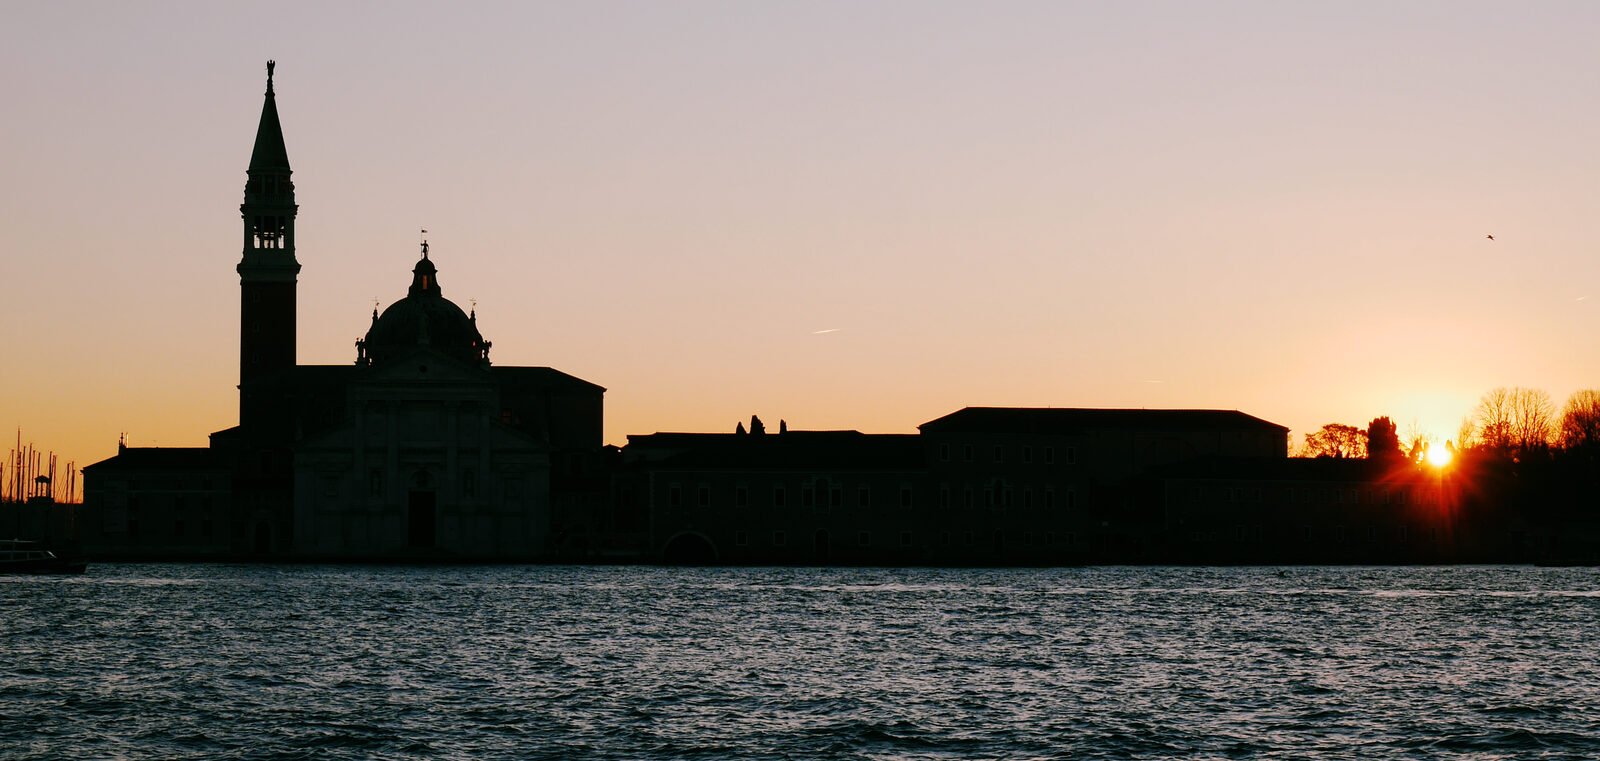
213,661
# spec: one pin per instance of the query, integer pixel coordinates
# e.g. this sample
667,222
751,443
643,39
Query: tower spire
269,154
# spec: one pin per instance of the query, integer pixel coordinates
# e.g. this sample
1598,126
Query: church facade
420,449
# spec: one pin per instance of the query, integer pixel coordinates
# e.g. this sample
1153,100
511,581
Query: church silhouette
420,448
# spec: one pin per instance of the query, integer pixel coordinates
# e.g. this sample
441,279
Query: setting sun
1439,457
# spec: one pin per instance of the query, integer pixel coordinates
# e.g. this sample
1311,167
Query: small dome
425,318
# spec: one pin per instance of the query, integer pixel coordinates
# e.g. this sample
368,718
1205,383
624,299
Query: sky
841,214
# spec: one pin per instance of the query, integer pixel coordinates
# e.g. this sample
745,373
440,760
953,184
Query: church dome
424,318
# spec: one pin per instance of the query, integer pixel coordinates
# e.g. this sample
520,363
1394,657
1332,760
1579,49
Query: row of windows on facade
969,454
1420,495
179,528
424,481
907,539
1004,497
1373,534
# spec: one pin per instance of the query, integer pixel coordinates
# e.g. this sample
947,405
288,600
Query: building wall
425,469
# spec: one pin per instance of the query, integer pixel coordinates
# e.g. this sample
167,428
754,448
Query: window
864,496
1050,455
944,496
808,496
905,539
777,496
778,539
704,496
999,453
966,498
864,539
1072,498
741,496
469,483
1027,499
944,453
1050,498
905,497
674,496
1027,454
177,528
1072,455
375,483
835,497
966,453
741,539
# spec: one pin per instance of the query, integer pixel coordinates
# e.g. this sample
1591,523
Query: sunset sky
847,215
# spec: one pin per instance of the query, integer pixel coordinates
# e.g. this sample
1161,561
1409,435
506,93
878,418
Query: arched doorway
689,549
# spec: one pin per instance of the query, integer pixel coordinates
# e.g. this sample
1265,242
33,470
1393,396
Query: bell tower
268,270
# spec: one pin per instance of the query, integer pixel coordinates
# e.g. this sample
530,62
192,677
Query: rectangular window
778,539
1072,455
864,496
1027,499
469,483
999,453
944,496
1050,498
777,496
966,498
1027,454
808,496
905,539
704,495
835,497
966,453
741,496
674,496
864,539
944,453
375,483
905,497
1050,455
741,539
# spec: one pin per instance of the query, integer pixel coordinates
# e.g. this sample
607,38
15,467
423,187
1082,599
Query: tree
1338,441
1580,421
1515,421
1383,442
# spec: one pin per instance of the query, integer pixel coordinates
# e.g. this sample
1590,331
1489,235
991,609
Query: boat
20,556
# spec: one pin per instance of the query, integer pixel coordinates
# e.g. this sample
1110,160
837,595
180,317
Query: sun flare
1439,457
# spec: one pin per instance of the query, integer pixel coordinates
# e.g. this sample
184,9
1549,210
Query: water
213,661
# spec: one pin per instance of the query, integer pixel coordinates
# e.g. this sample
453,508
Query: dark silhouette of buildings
422,450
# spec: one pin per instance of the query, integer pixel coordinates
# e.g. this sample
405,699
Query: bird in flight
1490,236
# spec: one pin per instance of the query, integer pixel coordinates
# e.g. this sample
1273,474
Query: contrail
829,330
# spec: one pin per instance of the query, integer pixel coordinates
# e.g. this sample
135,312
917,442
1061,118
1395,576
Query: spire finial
424,244
270,65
